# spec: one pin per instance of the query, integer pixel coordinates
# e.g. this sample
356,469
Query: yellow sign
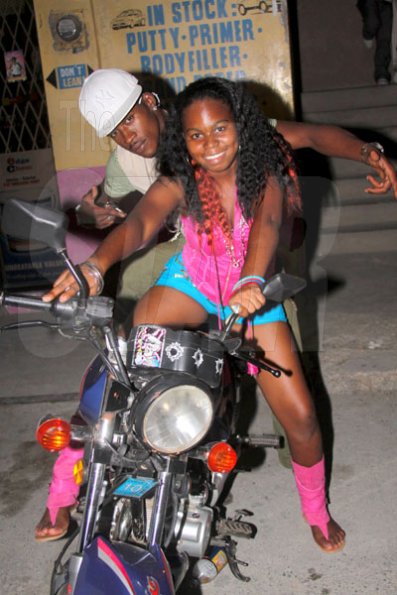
182,41
168,45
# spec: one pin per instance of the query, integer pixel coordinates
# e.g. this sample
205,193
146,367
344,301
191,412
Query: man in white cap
114,103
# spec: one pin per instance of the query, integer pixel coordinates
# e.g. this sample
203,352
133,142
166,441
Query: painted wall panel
65,65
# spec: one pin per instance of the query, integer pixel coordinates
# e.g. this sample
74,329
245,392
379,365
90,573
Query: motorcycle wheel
129,521
59,587
59,579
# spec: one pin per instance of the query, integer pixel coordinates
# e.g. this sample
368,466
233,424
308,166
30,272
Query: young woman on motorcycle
230,176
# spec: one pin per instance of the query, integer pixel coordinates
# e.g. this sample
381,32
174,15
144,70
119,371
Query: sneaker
369,43
382,81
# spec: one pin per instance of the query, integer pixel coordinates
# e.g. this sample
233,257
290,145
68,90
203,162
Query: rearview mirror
28,221
283,286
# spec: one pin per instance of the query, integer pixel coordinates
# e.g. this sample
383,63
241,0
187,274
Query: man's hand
385,171
101,215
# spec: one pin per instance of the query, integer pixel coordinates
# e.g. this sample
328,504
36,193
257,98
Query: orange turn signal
53,434
222,458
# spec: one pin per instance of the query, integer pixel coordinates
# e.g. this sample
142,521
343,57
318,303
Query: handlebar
25,302
75,312
279,288
63,310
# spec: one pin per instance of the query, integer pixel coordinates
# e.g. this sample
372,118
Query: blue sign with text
71,76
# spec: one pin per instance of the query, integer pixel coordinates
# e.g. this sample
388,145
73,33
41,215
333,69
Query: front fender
124,569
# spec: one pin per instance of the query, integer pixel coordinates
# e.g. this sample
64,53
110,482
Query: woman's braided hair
263,152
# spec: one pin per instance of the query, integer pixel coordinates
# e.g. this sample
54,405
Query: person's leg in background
371,19
377,18
383,42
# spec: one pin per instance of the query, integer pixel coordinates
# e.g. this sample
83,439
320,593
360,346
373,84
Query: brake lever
276,372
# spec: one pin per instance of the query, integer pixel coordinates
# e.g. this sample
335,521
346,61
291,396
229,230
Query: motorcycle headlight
173,415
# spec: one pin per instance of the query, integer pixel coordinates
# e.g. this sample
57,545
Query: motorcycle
160,436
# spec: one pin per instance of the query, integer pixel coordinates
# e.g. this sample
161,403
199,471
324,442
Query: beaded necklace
237,261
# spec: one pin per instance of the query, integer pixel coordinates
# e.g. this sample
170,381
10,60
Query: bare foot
336,537
45,531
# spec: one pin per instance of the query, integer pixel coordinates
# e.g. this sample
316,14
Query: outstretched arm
262,245
337,142
134,233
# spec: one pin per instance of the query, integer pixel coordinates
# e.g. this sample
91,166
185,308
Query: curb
24,399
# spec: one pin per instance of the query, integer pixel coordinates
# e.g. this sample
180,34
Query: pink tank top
214,269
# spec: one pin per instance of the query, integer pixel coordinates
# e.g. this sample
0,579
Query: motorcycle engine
193,528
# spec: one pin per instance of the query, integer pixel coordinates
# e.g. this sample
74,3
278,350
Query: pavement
351,362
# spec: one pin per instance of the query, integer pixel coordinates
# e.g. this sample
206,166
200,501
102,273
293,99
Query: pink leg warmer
310,482
63,489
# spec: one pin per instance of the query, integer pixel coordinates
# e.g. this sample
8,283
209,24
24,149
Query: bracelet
249,279
96,273
368,148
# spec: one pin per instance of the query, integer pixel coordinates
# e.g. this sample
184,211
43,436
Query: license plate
135,487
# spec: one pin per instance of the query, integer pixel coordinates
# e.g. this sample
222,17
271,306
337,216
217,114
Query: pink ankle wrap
63,489
310,482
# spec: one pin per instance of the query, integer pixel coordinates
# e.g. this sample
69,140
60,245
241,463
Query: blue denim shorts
174,275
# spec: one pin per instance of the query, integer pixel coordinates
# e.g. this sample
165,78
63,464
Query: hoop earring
158,104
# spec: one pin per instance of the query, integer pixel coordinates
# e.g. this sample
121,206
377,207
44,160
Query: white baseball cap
106,97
